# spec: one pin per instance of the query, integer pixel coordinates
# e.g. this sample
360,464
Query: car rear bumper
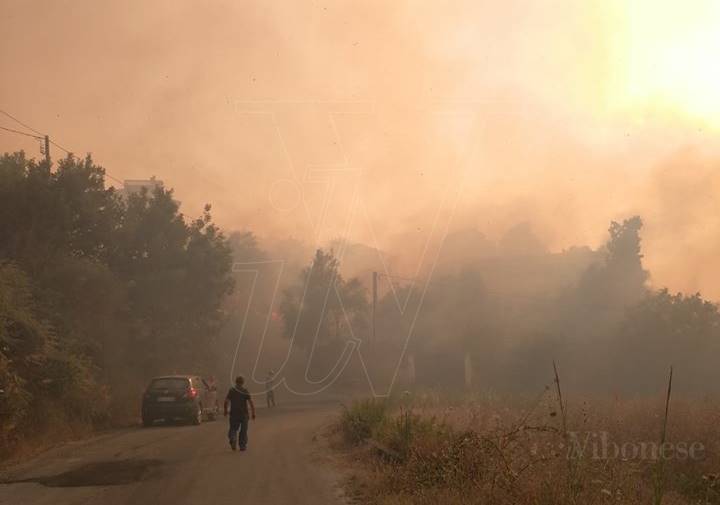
169,410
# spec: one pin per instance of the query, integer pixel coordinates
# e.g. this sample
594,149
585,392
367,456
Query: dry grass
427,448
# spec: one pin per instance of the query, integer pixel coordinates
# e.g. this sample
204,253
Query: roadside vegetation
428,448
97,293
505,432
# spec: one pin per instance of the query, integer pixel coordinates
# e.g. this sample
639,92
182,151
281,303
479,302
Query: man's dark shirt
238,398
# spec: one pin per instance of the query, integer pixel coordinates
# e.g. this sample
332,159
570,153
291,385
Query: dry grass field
430,448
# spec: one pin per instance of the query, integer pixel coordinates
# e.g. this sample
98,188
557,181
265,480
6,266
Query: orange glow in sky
673,58
563,113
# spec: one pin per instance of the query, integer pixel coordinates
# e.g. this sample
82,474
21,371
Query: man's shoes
243,448
232,445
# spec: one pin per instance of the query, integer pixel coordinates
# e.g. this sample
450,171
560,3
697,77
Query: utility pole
47,150
374,302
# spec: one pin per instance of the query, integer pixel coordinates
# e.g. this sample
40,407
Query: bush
399,433
43,384
362,419
474,457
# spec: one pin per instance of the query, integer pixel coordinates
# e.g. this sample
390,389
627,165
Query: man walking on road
238,398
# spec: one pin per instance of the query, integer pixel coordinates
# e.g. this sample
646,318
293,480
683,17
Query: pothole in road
101,473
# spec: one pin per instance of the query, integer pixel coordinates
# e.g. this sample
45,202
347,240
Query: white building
136,186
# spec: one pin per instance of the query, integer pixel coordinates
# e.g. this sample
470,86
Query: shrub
475,457
398,433
361,420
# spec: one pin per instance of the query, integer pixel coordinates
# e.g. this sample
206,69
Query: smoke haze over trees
99,292
537,92
511,311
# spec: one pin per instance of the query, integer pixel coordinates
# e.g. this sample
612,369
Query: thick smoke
388,124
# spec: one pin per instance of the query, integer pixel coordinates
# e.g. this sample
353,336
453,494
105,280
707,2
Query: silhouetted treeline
98,292
500,314
594,312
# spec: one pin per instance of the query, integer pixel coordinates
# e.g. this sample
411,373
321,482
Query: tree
208,282
97,292
24,345
667,329
37,374
323,307
177,276
45,215
441,320
591,309
620,280
624,258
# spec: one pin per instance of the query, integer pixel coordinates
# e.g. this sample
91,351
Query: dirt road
187,465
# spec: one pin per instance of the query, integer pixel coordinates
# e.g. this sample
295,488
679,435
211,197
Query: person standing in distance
238,399
270,389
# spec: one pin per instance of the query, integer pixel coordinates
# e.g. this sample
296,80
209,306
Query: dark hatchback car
186,397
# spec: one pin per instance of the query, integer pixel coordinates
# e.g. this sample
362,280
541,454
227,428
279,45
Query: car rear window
169,384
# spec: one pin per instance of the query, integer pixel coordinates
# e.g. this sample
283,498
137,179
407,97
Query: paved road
187,465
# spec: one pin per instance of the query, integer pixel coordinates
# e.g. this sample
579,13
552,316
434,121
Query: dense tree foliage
607,327
97,292
322,312
667,329
620,279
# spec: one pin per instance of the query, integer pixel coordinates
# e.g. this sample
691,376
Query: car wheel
198,418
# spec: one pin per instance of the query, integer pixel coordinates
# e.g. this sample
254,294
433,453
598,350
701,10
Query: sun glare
673,51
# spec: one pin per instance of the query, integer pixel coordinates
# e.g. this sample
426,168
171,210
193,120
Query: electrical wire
42,136
113,178
60,147
20,133
21,123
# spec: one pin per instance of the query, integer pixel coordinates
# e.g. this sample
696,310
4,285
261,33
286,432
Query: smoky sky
385,122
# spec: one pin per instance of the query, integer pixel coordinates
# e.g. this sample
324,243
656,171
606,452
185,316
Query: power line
21,123
21,133
34,130
60,147
42,136
113,178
